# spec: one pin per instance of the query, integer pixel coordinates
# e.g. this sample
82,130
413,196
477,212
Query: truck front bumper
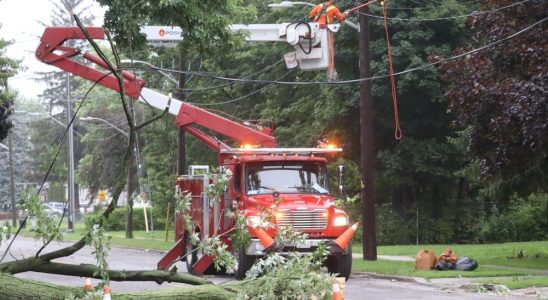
307,246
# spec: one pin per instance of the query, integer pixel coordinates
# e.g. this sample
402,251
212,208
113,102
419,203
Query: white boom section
302,37
160,101
286,151
299,35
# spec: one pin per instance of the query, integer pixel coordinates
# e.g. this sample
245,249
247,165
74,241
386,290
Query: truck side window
238,179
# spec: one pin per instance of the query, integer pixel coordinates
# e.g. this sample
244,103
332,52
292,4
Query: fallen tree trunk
38,264
14,288
158,276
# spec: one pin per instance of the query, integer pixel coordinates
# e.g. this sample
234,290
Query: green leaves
100,241
219,183
43,227
294,277
204,24
500,94
5,232
222,257
8,68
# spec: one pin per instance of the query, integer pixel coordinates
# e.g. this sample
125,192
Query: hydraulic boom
52,51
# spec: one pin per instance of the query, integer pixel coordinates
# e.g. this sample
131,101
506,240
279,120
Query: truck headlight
253,221
340,221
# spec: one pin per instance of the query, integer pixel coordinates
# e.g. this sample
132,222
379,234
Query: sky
21,25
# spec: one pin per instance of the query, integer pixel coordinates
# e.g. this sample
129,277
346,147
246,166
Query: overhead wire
242,97
50,168
351,81
432,7
246,76
476,13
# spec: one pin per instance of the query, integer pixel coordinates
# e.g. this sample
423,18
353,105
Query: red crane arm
52,51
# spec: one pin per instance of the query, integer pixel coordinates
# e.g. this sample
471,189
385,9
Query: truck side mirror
341,179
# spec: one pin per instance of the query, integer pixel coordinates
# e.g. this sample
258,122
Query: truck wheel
245,262
341,265
191,255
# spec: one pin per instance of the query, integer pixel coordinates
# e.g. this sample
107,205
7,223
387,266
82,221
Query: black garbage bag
466,264
444,265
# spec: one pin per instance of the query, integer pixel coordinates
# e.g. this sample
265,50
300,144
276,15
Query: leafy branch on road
5,232
42,262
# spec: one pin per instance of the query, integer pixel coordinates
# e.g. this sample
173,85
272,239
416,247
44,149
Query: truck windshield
286,177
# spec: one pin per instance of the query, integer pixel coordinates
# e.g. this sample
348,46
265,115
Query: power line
448,18
297,83
60,146
226,84
432,7
243,97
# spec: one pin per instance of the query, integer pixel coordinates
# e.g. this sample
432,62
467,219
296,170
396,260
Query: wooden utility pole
71,218
130,190
181,95
369,235
12,179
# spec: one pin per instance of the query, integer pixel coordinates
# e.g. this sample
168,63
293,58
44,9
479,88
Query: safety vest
323,13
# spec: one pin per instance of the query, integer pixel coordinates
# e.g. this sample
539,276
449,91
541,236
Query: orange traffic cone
266,240
107,293
339,245
87,285
336,293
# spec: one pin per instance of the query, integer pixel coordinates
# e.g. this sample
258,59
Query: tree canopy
467,124
500,94
8,68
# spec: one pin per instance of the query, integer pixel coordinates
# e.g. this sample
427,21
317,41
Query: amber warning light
248,146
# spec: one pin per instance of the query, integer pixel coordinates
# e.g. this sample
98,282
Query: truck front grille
303,219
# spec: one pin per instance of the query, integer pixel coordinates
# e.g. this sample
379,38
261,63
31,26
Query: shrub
392,229
525,220
117,219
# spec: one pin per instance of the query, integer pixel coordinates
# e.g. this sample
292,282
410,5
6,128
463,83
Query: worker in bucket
325,14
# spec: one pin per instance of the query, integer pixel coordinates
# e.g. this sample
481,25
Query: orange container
425,260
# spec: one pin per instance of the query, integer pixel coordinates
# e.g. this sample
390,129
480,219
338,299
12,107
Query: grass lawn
142,240
399,268
507,259
519,257
535,254
521,282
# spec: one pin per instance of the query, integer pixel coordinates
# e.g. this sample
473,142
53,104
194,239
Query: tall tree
59,95
8,68
22,152
55,95
500,94
205,25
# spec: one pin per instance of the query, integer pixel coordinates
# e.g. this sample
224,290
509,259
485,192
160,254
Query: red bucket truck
293,181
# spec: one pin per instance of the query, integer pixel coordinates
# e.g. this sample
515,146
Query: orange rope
398,132
361,5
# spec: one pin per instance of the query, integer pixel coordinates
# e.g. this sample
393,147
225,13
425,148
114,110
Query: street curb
392,277
161,252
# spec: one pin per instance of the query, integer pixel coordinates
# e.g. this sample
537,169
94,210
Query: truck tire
341,265
192,256
245,262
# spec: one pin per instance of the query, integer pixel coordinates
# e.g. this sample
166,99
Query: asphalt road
360,286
